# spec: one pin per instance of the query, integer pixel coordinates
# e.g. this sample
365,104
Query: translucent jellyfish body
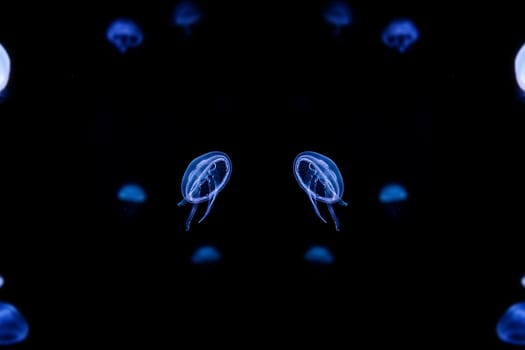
5,71
206,255
338,14
511,326
400,34
321,179
13,326
124,34
318,255
392,196
186,14
131,196
203,179
519,71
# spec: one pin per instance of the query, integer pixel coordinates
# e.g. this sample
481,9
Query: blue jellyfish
132,196
203,179
2,281
338,14
519,71
5,71
13,326
321,179
124,34
400,34
511,326
206,255
392,195
523,281
186,14
319,255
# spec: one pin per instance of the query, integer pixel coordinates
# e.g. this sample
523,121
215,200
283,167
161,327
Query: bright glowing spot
319,255
2,281
5,68
519,68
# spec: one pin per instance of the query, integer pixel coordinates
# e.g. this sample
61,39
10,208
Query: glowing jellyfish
2,281
523,281
124,34
5,71
186,15
319,255
392,196
132,196
338,14
204,178
206,255
511,326
13,326
400,34
519,71
320,178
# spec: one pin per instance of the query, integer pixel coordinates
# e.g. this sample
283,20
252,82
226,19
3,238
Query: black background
261,81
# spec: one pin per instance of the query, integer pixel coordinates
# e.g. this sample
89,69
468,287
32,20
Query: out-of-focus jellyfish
206,255
519,71
186,14
203,179
13,326
400,34
321,179
132,196
5,71
2,281
523,281
338,14
392,196
124,34
319,255
511,326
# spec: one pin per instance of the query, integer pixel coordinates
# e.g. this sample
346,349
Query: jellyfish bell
393,196
400,34
124,34
131,197
5,71
318,255
186,15
511,326
338,14
14,328
206,255
519,72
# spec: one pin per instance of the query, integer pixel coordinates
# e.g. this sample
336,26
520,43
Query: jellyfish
392,196
319,255
13,326
206,255
523,281
519,71
186,14
2,281
124,34
5,71
338,14
321,179
511,326
202,181
132,196
400,34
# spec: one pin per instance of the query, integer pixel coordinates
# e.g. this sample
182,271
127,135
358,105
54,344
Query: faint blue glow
203,179
321,179
13,326
392,192
319,255
206,255
131,193
523,281
400,34
511,326
2,281
519,68
186,14
338,14
124,34
5,70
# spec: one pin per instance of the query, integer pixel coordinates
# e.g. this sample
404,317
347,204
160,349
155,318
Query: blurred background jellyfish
2,281
124,33
392,196
132,196
338,14
5,71
400,34
14,328
186,14
523,281
519,71
206,255
318,255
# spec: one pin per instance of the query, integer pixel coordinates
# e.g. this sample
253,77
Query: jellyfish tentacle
211,198
190,216
334,217
313,196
